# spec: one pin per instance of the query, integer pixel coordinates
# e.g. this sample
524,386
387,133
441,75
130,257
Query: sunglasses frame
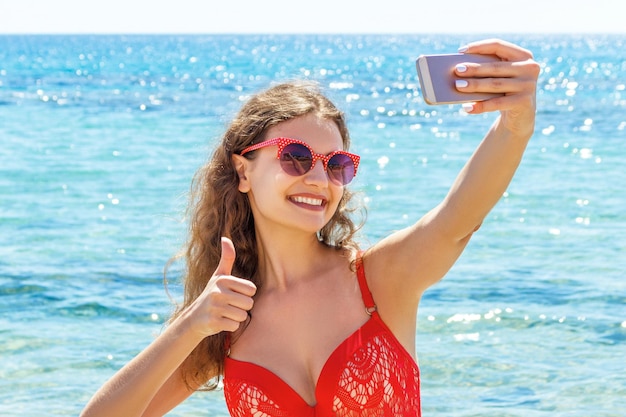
283,142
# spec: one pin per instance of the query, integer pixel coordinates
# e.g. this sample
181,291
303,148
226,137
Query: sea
101,135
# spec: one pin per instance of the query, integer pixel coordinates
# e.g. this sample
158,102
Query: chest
293,336
369,373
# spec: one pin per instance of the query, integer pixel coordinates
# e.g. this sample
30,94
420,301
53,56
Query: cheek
265,189
263,175
336,199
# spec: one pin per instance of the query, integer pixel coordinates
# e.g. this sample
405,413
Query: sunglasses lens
296,159
341,168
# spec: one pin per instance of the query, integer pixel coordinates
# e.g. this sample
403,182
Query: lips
310,201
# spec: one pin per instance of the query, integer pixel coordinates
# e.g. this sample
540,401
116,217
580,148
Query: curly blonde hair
217,208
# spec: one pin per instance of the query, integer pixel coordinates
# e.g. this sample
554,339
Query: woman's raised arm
403,265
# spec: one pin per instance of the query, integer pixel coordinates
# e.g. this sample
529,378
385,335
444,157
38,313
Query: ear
241,166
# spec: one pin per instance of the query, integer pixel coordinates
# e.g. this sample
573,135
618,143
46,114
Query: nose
317,175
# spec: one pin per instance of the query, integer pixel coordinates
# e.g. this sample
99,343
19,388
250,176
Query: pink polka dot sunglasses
297,158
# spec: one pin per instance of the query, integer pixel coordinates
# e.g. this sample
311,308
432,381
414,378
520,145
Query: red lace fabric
369,374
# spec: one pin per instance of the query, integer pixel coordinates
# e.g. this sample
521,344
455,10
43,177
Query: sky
311,16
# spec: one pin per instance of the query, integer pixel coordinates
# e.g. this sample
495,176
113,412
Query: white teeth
308,200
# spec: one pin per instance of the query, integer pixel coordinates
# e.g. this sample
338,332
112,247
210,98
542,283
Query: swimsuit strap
368,300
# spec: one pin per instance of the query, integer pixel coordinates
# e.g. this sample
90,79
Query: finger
241,292
500,69
504,103
226,324
526,70
495,85
227,258
235,314
241,286
504,50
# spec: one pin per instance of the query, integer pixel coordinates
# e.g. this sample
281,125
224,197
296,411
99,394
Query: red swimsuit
369,374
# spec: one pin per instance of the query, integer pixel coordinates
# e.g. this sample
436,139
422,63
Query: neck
285,261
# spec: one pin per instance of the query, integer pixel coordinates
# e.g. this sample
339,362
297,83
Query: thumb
227,258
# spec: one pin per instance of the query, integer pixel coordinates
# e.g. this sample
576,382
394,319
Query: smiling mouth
308,200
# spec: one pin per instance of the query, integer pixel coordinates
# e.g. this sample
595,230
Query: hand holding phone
437,78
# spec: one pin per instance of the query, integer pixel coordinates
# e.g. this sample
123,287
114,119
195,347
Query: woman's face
281,201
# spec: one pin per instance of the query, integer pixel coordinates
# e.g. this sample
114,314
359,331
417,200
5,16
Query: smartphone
437,78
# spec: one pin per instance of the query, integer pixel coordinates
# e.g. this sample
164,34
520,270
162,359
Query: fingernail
461,68
467,107
462,49
461,83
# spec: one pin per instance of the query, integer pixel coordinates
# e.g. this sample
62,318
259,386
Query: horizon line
176,33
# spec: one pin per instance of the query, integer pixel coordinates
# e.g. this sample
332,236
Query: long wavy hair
217,208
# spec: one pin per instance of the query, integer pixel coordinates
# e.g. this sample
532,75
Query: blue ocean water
100,136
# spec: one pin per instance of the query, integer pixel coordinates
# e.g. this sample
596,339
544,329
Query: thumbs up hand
225,301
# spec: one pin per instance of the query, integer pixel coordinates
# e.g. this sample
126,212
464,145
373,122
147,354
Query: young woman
279,300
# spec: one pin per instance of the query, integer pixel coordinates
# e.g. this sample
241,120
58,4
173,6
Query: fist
226,300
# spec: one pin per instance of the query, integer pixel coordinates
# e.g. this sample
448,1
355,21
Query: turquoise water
100,137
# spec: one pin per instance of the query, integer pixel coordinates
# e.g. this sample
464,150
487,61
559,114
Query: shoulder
395,300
